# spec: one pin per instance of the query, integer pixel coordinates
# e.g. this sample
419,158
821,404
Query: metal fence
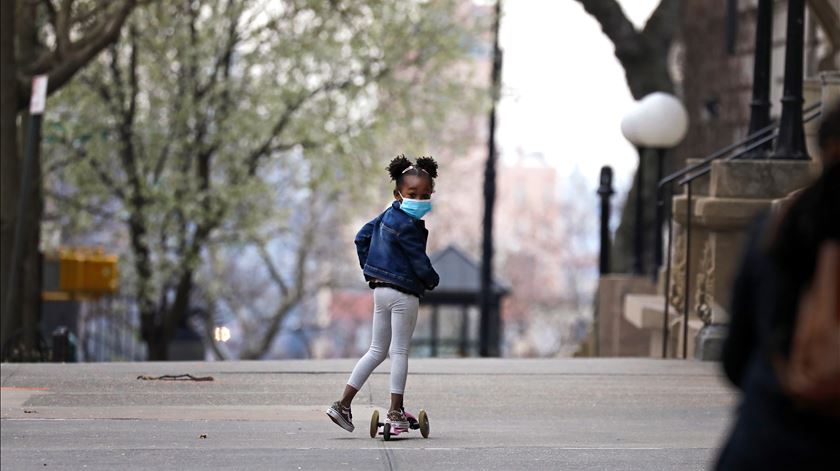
109,330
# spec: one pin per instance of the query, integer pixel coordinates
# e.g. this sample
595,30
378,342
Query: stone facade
716,86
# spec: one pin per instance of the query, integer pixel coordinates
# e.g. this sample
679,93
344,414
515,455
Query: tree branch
268,144
62,28
615,25
293,297
662,25
272,269
62,67
108,182
70,201
643,55
222,62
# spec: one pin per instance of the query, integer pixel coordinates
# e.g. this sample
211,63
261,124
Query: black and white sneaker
341,416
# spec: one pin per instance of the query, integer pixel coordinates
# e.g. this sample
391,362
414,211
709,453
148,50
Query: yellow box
88,271
100,274
71,270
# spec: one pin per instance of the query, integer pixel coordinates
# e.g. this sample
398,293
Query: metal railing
685,177
109,330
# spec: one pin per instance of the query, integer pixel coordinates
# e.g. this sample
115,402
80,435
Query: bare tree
307,274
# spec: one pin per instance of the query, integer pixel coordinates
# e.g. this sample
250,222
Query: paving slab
485,414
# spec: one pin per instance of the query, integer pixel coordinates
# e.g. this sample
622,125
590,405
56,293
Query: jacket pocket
385,229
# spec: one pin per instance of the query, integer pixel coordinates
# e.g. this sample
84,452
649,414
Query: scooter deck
413,424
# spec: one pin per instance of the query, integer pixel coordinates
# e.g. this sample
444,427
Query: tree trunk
158,347
24,312
10,169
30,290
20,49
644,57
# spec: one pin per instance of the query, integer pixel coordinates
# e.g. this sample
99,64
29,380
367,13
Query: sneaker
341,416
397,419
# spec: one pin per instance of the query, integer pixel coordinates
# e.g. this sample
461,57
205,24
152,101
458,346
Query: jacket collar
418,222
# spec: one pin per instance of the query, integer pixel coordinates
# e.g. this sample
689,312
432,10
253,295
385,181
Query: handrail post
760,104
686,293
657,228
791,142
665,317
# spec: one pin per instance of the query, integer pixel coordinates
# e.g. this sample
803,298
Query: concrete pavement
484,414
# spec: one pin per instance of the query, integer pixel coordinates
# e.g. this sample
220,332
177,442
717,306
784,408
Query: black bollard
605,191
60,345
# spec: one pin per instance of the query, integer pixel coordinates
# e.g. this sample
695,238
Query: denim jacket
392,249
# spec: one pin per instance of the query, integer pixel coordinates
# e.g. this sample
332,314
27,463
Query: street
485,414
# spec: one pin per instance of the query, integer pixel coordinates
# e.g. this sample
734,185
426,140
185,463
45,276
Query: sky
564,92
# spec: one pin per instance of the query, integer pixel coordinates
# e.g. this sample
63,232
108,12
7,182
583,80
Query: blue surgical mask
415,208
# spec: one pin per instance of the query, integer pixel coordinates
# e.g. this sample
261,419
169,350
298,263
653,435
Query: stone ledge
728,213
720,213
759,178
645,310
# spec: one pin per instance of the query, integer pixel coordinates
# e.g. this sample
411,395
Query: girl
392,254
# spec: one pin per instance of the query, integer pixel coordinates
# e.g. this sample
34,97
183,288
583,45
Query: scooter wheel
423,418
386,432
374,424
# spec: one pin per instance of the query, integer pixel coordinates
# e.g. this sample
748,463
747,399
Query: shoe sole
403,425
339,420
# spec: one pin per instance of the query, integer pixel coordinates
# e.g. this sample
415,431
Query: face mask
415,208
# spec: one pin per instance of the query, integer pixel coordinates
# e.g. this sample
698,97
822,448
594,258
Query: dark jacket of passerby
771,430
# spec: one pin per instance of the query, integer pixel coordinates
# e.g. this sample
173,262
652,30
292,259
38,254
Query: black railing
759,139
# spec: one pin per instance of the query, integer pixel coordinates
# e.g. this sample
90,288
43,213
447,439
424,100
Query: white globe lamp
657,121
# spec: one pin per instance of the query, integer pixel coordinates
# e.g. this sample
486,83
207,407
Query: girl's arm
415,249
363,241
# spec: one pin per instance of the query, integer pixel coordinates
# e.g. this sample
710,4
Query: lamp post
658,121
490,327
630,129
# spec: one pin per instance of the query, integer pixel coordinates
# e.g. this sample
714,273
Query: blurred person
392,254
783,348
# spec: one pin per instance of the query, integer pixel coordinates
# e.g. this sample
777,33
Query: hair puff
398,166
428,165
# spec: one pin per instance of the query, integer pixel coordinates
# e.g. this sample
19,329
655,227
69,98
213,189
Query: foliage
243,123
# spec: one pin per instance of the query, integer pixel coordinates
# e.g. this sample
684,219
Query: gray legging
390,308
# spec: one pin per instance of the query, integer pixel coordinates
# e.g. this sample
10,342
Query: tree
39,37
209,114
644,56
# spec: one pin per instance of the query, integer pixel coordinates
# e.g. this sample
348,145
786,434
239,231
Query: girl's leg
380,340
349,394
404,318
396,401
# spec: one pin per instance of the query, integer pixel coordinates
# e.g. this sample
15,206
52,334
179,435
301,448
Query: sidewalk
484,414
